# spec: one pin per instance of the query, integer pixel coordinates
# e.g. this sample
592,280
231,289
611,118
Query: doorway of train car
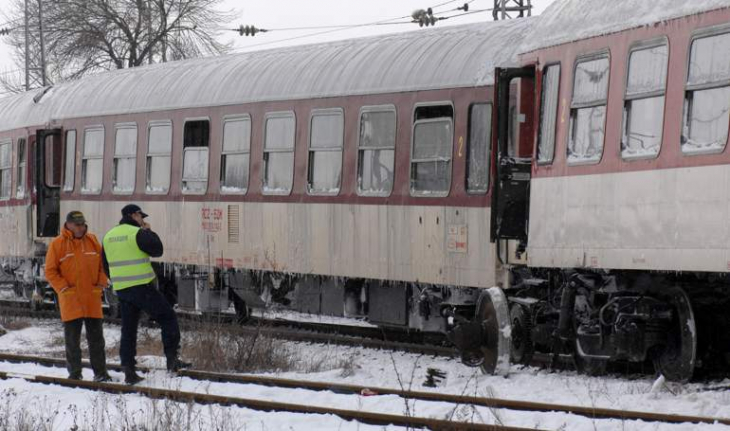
513,132
48,165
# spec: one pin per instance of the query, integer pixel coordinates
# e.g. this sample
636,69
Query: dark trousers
95,338
147,298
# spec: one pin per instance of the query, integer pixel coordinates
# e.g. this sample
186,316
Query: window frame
324,112
363,110
65,159
148,156
478,192
596,55
117,128
716,30
83,157
21,179
265,165
411,162
10,167
196,148
232,119
539,162
639,46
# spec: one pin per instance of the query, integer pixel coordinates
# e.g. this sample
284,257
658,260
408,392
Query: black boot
131,377
174,364
103,378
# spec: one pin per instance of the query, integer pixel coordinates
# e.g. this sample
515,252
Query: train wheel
677,360
493,312
521,348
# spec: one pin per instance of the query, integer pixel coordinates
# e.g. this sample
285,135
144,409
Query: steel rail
590,412
260,405
277,331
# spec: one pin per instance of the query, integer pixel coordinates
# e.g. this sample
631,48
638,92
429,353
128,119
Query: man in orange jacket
74,269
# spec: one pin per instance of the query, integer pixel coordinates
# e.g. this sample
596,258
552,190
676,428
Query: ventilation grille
234,220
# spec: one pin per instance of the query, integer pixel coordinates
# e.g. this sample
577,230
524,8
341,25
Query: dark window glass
22,169
376,154
480,133
644,103
196,139
69,168
588,111
279,153
550,99
707,99
325,152
236,155
431,154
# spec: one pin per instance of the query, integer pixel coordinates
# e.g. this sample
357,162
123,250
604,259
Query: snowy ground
351,365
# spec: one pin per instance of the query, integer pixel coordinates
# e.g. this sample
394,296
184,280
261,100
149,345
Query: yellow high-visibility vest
128,265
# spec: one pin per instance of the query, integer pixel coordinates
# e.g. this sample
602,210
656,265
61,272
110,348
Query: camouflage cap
76,217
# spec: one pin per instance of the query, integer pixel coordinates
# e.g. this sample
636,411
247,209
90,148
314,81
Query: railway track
285,330
595,413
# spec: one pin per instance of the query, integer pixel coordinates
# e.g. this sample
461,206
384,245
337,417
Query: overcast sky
276,14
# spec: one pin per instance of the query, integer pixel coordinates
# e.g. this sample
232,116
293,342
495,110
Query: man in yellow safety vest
126,253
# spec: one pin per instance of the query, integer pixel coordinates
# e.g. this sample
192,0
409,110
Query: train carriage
349,178
623,218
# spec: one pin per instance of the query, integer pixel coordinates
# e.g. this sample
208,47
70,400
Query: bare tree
88,36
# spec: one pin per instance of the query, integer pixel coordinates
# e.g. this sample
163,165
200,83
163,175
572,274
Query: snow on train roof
570,20
448,57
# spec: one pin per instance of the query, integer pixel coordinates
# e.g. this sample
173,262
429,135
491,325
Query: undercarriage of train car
597,318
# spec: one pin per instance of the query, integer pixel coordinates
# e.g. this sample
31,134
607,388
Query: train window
159,156
707,96
125,159
644,102
588,111
548,113
69,168
433,134
196,138
92,161
478,154
376,153
6,168
236,155
326,135
279,142
54,158
22,169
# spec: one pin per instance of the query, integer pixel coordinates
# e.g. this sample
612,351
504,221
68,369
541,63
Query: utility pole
44,81
27,48
35,47
508,9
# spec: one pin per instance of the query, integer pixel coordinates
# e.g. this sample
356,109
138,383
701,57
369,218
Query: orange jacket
74,269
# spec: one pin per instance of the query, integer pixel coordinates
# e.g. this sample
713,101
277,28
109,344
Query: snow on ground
370,368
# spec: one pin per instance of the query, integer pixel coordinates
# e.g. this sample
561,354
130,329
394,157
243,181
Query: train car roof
447,57
567,21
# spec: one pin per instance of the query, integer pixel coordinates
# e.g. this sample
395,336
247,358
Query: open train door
511,191
48,165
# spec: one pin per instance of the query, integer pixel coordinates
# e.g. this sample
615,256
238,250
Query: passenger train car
623,219
348,178
554,184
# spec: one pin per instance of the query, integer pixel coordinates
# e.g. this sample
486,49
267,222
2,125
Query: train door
511,192
48,165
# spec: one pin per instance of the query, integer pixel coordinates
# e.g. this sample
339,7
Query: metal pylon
508,9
